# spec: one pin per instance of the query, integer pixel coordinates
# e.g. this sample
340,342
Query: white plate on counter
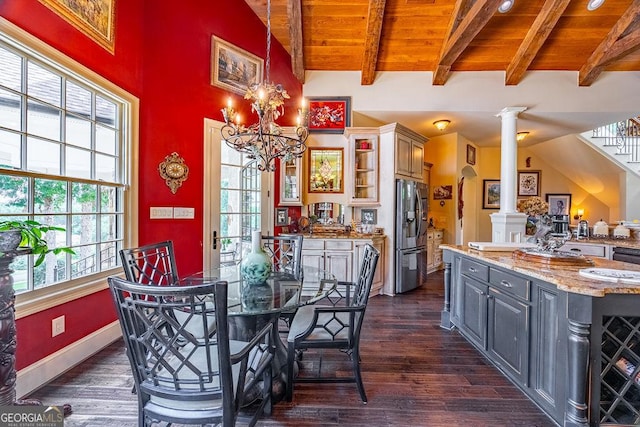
499,246
611,275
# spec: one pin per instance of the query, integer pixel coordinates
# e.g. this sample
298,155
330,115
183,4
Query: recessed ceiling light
441,124
508,4
594,4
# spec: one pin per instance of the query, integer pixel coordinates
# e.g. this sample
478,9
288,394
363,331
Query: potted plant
31,234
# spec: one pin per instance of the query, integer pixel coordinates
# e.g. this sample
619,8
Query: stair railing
624,135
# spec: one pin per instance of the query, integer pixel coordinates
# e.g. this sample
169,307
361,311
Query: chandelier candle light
265,140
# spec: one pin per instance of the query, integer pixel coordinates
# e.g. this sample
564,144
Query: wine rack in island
620,374
363,150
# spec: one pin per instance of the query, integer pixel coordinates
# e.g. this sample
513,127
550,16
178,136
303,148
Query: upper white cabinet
409,151
363,157
291,182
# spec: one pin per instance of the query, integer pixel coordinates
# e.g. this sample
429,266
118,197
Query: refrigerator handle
419,203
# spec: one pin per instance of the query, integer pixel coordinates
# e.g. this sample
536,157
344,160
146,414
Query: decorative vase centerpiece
534,207
256,265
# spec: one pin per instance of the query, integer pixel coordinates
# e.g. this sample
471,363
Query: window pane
43,120
14,191
43,84
10,105
78,131
84,198
108,255
106,168
20,275
83,229
78,163
11,65
108,227
43,156
105,140
108,199
105,112
52,270
78,100
83,261
229,155
50,196
9,149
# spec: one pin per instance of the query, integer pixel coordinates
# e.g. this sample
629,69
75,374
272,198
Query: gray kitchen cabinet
474,311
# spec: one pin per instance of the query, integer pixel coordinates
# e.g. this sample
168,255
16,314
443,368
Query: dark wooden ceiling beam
536,36
294,15
372,41
615,43
474,21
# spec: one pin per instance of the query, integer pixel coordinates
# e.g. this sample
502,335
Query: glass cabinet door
290,182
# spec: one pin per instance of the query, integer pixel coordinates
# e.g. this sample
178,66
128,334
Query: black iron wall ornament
174,171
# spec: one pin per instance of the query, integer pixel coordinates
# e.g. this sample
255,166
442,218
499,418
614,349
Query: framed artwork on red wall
329,114
232,68
93,18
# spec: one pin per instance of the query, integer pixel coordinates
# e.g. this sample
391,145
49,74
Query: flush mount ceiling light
594,4
508,4
441,124
521,135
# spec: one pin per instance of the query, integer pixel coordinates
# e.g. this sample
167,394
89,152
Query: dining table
251,307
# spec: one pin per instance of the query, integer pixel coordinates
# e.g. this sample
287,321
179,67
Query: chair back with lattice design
285,252
151,264
183,375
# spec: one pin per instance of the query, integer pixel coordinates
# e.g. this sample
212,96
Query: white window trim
51,296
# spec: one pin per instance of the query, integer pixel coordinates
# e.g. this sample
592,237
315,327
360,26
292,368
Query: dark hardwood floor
415,374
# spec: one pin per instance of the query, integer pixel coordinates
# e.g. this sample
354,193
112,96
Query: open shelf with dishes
620,371
363,149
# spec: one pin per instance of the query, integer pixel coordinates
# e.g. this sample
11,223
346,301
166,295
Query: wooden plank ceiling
444,36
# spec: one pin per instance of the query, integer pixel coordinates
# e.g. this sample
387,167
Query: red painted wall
162,55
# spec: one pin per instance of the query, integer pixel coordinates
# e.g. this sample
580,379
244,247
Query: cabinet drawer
474,269
313,244
593,250
341,245
510,283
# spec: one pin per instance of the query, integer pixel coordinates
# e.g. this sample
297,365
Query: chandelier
265,140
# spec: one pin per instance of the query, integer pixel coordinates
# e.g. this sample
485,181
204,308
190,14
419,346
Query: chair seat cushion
330,326
199,362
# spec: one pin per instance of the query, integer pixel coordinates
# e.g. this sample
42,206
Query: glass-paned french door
237,197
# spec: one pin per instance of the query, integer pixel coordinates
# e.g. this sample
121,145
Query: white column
507,224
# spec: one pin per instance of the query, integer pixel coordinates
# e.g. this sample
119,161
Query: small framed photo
491,194
471,154
369,216
282,217
329,114
528,183
232,68
559,203
443,192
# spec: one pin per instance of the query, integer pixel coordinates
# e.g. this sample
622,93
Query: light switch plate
184,213
160,212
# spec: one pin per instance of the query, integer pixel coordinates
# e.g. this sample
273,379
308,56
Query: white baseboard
38,374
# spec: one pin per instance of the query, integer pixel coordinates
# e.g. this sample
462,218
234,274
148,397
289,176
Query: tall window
61,163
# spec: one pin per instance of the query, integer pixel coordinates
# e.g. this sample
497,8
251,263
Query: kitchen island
570,343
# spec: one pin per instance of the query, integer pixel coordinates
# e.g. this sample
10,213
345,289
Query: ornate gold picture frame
94,19
232,68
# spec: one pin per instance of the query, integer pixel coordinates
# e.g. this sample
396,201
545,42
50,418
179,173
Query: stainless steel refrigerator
411,234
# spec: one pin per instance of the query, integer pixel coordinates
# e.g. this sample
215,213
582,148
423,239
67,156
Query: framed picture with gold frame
232,68
96,22
326,174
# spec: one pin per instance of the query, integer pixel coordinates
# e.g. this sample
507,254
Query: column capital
511,111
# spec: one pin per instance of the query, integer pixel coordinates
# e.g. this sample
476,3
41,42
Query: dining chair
333,323
152,264
285,251
183,378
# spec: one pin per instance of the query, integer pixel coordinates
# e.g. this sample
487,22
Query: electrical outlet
57,326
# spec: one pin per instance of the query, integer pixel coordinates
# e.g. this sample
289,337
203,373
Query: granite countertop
351,235
566,278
